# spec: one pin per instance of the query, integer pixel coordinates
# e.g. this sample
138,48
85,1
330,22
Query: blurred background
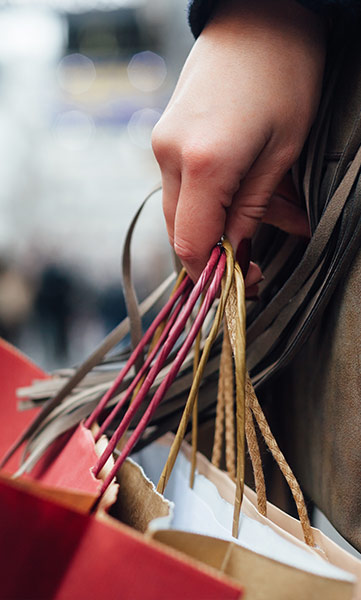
82,83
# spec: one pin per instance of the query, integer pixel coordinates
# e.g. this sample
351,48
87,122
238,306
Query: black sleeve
199,11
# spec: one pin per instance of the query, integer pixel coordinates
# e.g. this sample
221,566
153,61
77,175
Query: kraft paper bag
269,558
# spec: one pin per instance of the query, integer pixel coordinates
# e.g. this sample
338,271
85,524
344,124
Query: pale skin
236,123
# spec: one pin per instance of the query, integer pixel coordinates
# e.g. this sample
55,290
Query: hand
236,123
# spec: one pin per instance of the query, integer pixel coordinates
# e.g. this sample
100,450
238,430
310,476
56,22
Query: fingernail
243,255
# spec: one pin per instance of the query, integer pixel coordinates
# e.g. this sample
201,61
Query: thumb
285,210
286,215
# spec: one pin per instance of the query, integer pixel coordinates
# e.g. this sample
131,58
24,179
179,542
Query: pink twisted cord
136,353
144,368
166,383
174,334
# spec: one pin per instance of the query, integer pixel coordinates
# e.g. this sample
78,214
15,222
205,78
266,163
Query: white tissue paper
202,510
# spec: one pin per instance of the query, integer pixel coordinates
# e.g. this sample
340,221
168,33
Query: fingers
201,202
254,275
171,183
250,203
193,210
199,223
210,177
287,216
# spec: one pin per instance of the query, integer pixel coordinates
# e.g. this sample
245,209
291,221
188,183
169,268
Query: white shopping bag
271,545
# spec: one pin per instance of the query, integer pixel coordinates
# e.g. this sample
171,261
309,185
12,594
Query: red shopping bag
51,551
16,370
68,462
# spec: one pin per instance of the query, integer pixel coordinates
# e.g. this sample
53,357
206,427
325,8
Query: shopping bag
270,549
16,370
54,551
247,408
67,464
62,548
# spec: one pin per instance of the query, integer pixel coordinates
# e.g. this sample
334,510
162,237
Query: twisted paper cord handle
219,422
226,284
225,414
282,463
224,423
236,323
167,381
139,349
245,411
256,461
197,351
229,409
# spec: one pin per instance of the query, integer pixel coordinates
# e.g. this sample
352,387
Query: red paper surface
16,370
53,552
68,461
49,551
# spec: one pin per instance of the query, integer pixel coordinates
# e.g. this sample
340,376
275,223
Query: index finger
199,223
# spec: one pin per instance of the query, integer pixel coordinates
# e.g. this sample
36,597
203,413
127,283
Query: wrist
286,17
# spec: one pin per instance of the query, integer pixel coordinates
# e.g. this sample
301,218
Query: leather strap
129,291
277,329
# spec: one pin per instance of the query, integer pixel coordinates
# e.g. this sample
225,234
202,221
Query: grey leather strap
129,291
129,323
331,190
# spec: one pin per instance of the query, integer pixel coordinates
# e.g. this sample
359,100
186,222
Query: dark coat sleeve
199,11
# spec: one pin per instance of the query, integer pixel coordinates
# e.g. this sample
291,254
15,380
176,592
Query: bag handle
216,264
254,411
277,454
109,342
232,305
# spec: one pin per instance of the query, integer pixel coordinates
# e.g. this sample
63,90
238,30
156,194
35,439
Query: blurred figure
111,307
53,310
16,298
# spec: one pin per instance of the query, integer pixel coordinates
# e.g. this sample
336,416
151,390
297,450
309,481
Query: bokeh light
76,73
73,129
140,126
147,71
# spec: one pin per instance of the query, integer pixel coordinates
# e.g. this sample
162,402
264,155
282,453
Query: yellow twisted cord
256,461
282,463
219,424
226,284
236,322
197,347
229,408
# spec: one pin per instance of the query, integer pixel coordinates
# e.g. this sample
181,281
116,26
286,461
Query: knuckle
252,211
288,156
199,160
161,143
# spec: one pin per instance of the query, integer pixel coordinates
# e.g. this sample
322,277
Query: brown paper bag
261,576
